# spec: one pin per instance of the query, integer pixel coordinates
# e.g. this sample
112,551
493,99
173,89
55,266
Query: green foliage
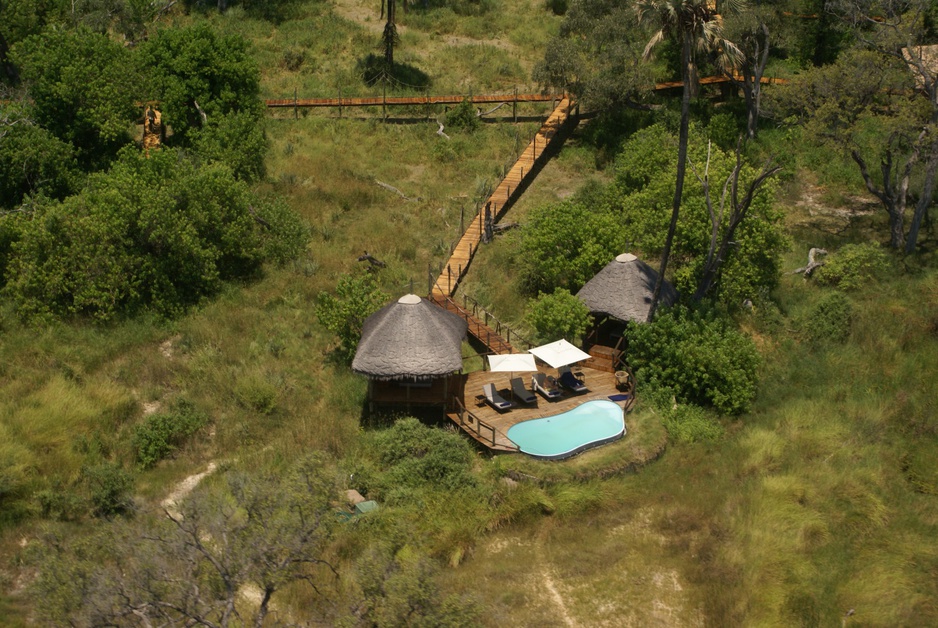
557,7
463,117
830,319
854,266
152,234
110,489
34,161
696,356
356,298
558,315
411,455
162,433
235,139
690,424
643,191
82,88
564,245
401,589
194,65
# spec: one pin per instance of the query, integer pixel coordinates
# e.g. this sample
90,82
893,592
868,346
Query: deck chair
569,381
494,399
545,385
521,393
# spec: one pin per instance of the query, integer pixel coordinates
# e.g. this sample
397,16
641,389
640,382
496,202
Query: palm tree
696,27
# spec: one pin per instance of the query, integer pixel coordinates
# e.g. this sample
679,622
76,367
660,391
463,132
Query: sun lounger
521,393
545,385
569,381
494,399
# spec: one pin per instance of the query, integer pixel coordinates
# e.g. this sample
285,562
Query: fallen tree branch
391,188
499,228
440,130
480,113
813,262
371,259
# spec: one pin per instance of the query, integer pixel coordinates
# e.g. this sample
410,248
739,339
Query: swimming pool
561,436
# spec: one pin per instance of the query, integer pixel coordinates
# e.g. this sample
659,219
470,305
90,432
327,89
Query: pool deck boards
601,385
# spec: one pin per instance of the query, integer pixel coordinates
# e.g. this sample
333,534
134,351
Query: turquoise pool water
588,425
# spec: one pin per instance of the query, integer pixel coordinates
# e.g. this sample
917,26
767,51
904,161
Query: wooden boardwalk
489,337
378,101
521,173
715,80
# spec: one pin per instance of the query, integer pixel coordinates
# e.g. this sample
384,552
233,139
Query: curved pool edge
534,444
576,450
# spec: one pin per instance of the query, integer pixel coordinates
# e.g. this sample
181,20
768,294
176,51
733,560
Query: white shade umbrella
512,362
559,353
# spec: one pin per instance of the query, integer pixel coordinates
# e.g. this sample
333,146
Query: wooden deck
500,200
490,338
490,427
716,80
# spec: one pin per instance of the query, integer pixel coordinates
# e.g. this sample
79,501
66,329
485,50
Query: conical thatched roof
623,289
410,338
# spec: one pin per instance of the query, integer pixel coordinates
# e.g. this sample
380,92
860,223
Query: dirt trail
185,487
546,578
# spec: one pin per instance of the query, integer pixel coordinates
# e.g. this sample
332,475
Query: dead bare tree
722,225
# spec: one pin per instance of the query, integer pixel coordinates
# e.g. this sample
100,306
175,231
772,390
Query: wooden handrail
476,307
462,410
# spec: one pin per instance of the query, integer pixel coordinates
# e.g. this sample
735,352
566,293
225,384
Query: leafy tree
199,76
33,161
696,356
564,245
152,234
191,567
81,84
858,104
597,55
235,139
558,315
695,26
356,298
749,254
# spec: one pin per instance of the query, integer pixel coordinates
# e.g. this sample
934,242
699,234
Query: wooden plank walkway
492,340
500,200
714,80
377,101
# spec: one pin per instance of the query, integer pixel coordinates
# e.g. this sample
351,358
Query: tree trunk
893,200
687,63
925,199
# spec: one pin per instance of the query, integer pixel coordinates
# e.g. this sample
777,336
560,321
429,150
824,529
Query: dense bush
853,266
162,433
356,298
411,455
110,489
564,245
698,357
558,315
644,189
463,116
830,319
34,161
154,234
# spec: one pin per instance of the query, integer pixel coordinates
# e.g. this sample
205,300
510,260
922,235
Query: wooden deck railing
476,308
471,423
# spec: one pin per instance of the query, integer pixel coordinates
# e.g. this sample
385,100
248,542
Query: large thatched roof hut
623,289
410,343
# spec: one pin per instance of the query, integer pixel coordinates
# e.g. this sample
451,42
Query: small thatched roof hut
624,288
410,339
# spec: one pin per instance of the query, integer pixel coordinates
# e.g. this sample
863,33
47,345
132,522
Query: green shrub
163,433
558,7
411,455
558,315
110,488
256,393
830,319
689,424
853,266
356,298
463,116
698,357
61,504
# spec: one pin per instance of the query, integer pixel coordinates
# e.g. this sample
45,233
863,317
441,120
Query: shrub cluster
161,434
830,319
853,266
696,356
558,315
